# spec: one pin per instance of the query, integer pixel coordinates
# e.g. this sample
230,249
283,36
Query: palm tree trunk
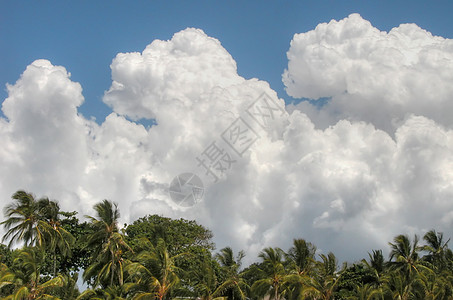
54,263
112,268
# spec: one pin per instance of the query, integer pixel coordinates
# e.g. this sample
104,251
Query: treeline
162,258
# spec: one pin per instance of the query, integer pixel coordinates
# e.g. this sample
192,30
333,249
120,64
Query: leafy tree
5,255
251,274
172,258
81,253
355,280
179,235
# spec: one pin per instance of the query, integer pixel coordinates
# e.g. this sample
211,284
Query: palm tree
234,283
398,286
436,248
37,223
406,256
109,265
300,260
104,224
301,256
6,279
154,274
434,286
58,237
323,282
24,221
25,277
376,265
405,279
273,273
108,293
108,246
377,261
367,292
204,279
69,290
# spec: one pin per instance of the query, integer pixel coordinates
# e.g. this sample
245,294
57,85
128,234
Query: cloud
170,75
348,187
44,141
371,75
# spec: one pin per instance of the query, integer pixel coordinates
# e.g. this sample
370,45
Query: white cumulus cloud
371,75
348,186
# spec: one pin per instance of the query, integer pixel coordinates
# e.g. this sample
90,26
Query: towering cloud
44,141
337,175
371,75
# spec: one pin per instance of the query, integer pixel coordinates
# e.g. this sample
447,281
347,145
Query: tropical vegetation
46,253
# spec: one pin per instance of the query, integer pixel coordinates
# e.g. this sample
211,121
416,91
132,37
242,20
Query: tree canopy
156,257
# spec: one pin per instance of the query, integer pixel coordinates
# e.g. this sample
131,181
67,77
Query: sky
113,99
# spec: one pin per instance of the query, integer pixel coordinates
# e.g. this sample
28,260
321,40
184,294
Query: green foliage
25,220
437,250
301,256
180,235
204,280
81,253
233,284
253,273
162,258
273,273
323,282
353,276
23,279
154,274
108,247
5,255
108,293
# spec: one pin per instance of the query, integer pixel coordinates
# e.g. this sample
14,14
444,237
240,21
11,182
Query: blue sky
84,36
